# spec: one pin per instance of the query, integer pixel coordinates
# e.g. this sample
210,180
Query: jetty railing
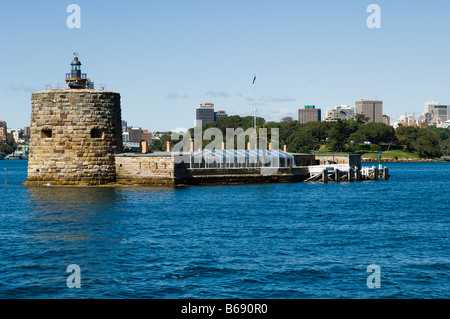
342,173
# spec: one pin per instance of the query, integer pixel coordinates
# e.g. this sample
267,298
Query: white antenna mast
254,85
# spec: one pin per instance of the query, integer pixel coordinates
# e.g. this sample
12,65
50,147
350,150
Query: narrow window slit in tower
47,133
96,133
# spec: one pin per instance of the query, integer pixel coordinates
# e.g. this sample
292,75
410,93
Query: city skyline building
435,114
440,114
429,106
220,114
370,108
147,136
205,114
134,134
26,133
3,131
309,114
342,112
16,133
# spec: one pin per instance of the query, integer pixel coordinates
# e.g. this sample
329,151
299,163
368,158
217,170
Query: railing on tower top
62,86
83,76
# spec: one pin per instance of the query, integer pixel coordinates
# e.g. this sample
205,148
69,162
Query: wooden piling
375,174
337,175
350,174
325,176
385,174
358,174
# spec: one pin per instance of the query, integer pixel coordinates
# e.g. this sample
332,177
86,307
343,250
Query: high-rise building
26,133
146,136
426,119
134,134
124,126
440,113
309,114
372,109
220,114
435,113
205,114
16,133
3,131
386,120
429,106
342,112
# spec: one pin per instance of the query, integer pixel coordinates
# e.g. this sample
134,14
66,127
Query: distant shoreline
401,160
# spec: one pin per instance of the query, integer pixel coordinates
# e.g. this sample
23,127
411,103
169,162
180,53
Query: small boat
16,157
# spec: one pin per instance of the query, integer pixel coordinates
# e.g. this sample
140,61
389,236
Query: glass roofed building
236,158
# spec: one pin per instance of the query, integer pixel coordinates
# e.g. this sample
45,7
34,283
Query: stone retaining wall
145,170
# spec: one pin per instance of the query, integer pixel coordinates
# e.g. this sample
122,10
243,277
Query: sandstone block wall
145,170
74,135
305,160
354,160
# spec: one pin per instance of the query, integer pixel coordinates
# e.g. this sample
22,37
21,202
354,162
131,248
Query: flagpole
254,84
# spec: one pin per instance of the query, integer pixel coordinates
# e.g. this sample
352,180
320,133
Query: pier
346,173
239,167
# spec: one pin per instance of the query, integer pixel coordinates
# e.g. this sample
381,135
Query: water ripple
303,240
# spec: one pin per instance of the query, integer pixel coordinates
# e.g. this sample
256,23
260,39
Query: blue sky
167,57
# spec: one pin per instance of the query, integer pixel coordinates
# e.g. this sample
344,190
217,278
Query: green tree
160,145
441,132
445,147
286,120
426,141
9,146
234,121
318,130
427,144
338,136
302,141
406,136
358,137
287,130
361,118
375,133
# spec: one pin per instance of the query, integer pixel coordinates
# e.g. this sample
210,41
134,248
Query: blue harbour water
275,241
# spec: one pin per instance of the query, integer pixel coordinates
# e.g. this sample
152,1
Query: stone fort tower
75,133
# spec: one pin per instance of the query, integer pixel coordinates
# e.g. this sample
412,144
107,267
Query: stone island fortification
76,140
75,133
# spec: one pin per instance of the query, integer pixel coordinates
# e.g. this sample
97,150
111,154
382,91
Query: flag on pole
254,79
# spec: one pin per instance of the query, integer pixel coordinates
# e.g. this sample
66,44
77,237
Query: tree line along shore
343,136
